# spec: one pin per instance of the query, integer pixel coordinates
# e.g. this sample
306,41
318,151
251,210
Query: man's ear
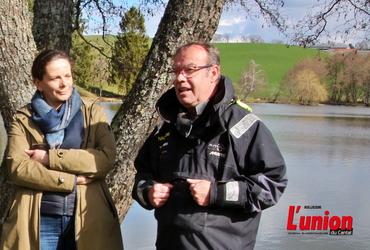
215,72
37,83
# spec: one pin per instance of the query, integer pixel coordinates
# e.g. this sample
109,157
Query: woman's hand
83,180
39,155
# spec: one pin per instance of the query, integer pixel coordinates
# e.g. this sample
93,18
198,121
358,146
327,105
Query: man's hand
200,190
83,180
39,155
159,193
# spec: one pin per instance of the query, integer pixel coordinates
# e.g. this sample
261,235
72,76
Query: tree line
340,78
334,78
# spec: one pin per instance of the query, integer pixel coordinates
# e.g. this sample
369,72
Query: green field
275,59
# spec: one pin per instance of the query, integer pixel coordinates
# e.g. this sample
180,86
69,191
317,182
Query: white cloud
231,21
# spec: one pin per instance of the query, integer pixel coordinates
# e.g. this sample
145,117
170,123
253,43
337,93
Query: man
211,166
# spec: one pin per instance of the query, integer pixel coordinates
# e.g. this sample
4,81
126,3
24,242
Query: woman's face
57,83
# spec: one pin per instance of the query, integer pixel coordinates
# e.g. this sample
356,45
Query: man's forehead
192,54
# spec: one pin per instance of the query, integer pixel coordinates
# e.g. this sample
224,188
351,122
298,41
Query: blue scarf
52,122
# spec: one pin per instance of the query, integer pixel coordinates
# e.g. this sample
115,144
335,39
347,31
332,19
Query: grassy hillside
97,40
275,59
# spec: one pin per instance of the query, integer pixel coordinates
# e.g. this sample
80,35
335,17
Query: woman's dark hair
42,59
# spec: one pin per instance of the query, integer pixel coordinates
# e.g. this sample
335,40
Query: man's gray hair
213,53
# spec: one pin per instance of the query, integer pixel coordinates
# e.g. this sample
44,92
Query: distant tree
316,65
227,37
277,41
308,76
100,73
366,81
347,78
83,60
352,77
252,78
130,50
256,39
308,89
217,38
335,66
363,45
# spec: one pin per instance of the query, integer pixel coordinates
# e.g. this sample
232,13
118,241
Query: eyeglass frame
194,69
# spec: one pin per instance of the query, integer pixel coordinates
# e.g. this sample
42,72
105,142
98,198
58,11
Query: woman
2,138
59,152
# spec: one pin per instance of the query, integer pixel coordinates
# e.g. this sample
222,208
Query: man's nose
180,77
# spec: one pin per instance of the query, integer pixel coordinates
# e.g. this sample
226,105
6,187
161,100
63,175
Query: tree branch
274,16
359,8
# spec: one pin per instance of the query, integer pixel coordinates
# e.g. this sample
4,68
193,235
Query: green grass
97,40
274,59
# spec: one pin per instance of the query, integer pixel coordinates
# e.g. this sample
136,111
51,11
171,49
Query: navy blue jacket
228,146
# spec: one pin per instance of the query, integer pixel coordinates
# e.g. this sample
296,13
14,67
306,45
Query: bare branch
102,14
351,16
359,8
272,14
100,50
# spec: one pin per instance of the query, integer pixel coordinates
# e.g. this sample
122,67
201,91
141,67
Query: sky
236,22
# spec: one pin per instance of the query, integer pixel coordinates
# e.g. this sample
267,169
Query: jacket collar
86,104
24,114
209,123
168,106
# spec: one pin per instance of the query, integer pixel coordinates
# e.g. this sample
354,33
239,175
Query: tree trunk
183,21
52,24
16,88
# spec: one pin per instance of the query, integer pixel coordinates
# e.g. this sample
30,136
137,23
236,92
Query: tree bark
183,21
52,24
16,88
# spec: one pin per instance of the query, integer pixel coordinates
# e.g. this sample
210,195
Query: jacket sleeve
145,164
94,162
25,172
262,178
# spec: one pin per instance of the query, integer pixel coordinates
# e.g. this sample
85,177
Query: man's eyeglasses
188,71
